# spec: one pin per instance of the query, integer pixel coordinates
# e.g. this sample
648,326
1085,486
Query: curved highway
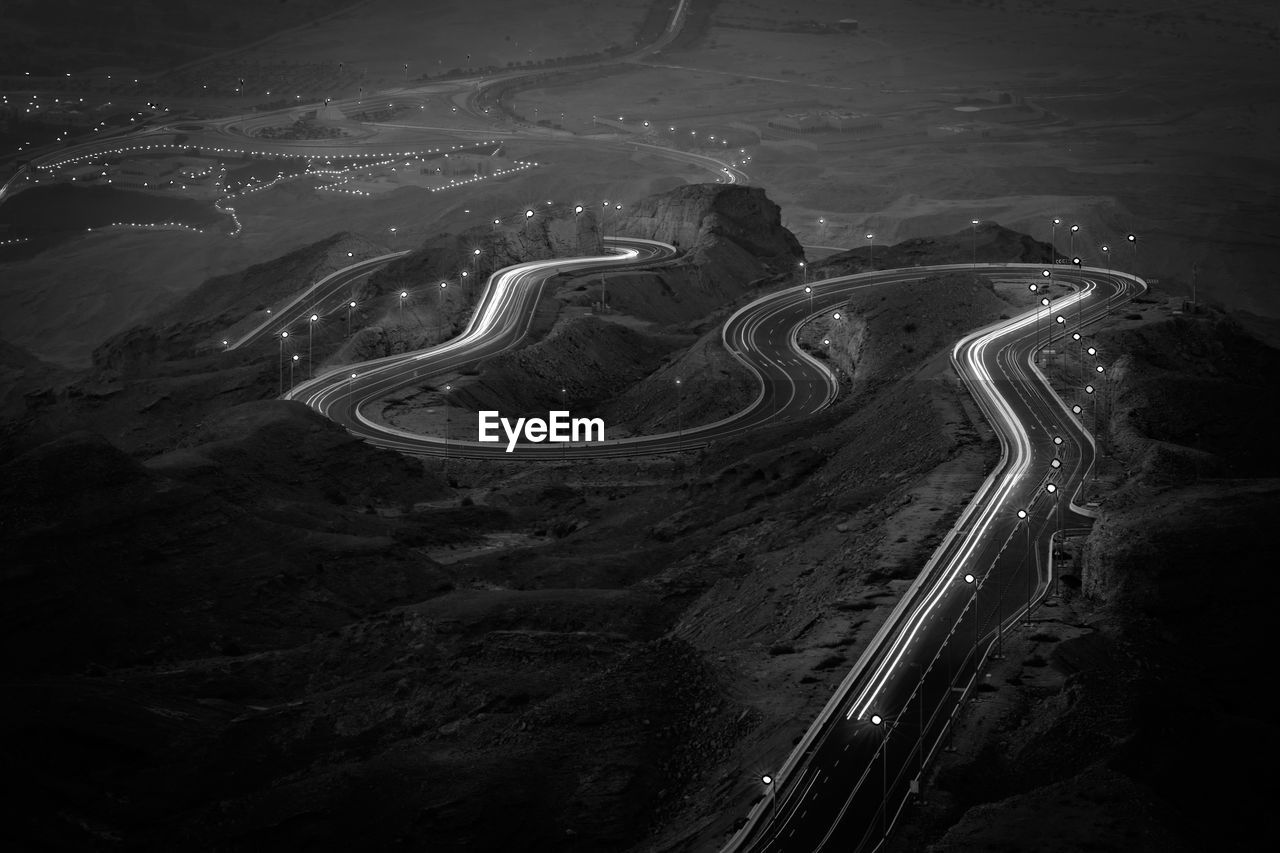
857,767
761,336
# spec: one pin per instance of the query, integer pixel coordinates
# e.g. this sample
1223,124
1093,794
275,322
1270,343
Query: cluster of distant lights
33,104
240,152
519,167
13,241
229,211
151,226
253,188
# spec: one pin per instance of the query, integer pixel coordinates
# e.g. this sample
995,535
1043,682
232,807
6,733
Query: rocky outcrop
732,241
990,243
554,231
710,220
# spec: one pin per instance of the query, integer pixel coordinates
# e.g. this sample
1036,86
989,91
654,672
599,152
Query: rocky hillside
991,244
216,308
1113,721
733,241
554,231
243,539
733,245
1185,393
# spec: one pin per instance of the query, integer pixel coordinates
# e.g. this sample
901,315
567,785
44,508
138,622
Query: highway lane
762,336
852,774
331,294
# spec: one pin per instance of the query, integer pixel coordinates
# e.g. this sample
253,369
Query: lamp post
679,410
1102,377
447,389
871,252
1133,244
1033,287
1079,302
1025,517
972,579
1074,229
1089,390
804,272
226,345
808,290
311,324
293,361
879,721
975,244
1106,254
1052,489
1061,321
1048,330
283,336
1076,336
1053,240
351,306
440,309
404,294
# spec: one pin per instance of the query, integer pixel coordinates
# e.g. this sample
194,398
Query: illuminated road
848,779
329,294
761,336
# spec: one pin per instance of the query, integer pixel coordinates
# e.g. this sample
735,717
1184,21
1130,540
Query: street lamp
804,274
311,324
975,244
807,289
871,252
1079,302
1053,240
1074,229
292,362
1025,518
351,306
447,389
679,411
1106,254
226,344
440,309
1133,243
1052,489
404,294
1061,321
283,335
1076,336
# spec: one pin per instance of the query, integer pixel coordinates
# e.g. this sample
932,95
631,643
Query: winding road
857,766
